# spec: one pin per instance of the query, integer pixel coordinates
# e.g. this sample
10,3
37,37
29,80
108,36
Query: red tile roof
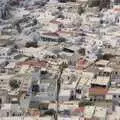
82,61
81,64
66,32
51,34
34,63
98,91
117,9
79,110
55,22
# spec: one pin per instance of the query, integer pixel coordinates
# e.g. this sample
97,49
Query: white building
5,52
4,82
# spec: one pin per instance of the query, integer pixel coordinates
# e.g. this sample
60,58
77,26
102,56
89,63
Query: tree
93,3
62,66
99,3
108,56
72,0
31,44
18,27
14,84
62,1
99,53
16,46
61,39
81,10
81,51
14,2
34,22
85,103
104,4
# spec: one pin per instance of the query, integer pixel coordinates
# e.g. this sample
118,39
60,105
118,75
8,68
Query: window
42,90
114,96
91,99
117,2
7,114
116,73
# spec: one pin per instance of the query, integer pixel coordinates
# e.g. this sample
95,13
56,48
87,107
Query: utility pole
58,86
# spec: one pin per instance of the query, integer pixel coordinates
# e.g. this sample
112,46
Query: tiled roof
34,63
51,34
98,91
55,22
80,109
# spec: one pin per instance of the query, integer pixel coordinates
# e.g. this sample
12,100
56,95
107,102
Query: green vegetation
85,103
14,84
31,44
81,10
